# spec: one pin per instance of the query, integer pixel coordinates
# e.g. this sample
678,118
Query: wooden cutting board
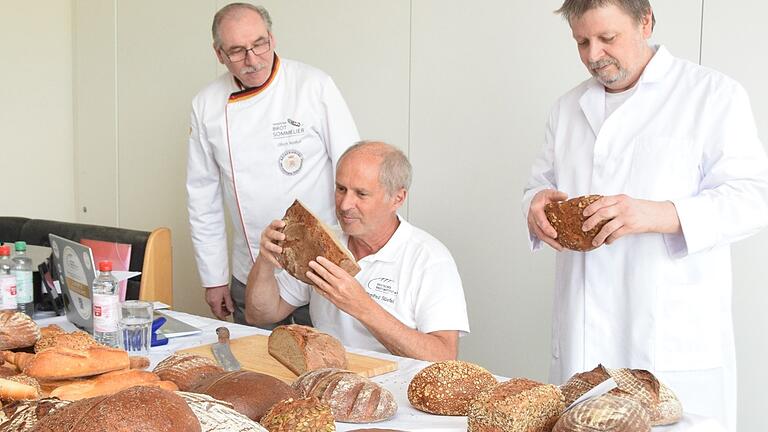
251,352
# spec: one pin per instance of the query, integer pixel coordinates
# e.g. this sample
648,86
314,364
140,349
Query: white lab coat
653,301
259,150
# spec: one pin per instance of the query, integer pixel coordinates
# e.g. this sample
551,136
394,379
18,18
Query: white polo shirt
413,277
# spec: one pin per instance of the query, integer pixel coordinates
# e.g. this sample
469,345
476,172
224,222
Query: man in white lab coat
673,148
266,132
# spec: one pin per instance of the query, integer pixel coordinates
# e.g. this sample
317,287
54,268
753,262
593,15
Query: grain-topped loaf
661,403
605,413
447,387
306,238
76,340
299,415
567,218
17,330
187,370
19,387
352,398
302,348
250,393
517,405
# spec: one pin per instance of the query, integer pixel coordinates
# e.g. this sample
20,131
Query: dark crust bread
567,217
250,393
307,238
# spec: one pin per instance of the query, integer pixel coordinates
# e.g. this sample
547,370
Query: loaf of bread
250,393
18,359
352,398
517,405
447,387
137,409
109,383
77,340
17,330
661,403
19,387
187,370
605,413
22,416
61,363
307,238
299,415
301,348
218,416
567,217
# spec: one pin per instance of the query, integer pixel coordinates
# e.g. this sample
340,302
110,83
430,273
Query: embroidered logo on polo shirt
291,161
383,289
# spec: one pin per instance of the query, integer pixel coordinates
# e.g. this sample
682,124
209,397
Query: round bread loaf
567,217
605,413
352,398
23,415
447,387
137,409
517,405
250,393
299,415
17,330
187,370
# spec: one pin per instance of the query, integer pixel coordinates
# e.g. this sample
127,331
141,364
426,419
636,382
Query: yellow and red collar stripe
248,93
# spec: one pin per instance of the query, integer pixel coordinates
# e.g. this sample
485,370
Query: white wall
36,110
463,87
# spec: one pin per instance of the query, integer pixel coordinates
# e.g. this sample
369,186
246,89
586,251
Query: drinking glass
136,326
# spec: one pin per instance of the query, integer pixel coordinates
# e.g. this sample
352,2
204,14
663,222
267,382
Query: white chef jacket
653,301
413,277
260,149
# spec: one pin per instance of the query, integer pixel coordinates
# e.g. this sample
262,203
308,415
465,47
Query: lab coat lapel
592,104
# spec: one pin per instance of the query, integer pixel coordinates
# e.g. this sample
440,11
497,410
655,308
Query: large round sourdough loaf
17,330
567,218
137,409
299,415
605,413
352,398
250,393
447,387
517,405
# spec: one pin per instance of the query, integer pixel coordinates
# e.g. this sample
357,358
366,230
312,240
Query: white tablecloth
407,418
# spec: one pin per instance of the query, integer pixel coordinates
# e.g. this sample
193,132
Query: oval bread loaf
605,413
352,398
517,405
447,387
302,348
17,330
187,370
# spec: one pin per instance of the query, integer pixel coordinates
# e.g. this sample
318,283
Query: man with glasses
264,133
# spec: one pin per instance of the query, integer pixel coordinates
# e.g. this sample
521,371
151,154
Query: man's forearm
404,341
262,296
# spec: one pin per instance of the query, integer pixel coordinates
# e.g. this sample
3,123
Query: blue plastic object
158,339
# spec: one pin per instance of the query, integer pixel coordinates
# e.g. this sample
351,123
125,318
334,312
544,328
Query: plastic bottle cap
20,246
5,250
105,266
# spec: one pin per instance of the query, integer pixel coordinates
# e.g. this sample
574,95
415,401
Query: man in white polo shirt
407,299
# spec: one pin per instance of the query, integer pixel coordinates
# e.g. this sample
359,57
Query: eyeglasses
239,54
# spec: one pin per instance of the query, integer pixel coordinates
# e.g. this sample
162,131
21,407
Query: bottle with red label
106,304
7,280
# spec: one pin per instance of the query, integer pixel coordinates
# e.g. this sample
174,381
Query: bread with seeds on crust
517,405
447,387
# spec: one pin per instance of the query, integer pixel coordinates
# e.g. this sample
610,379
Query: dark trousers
237,290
